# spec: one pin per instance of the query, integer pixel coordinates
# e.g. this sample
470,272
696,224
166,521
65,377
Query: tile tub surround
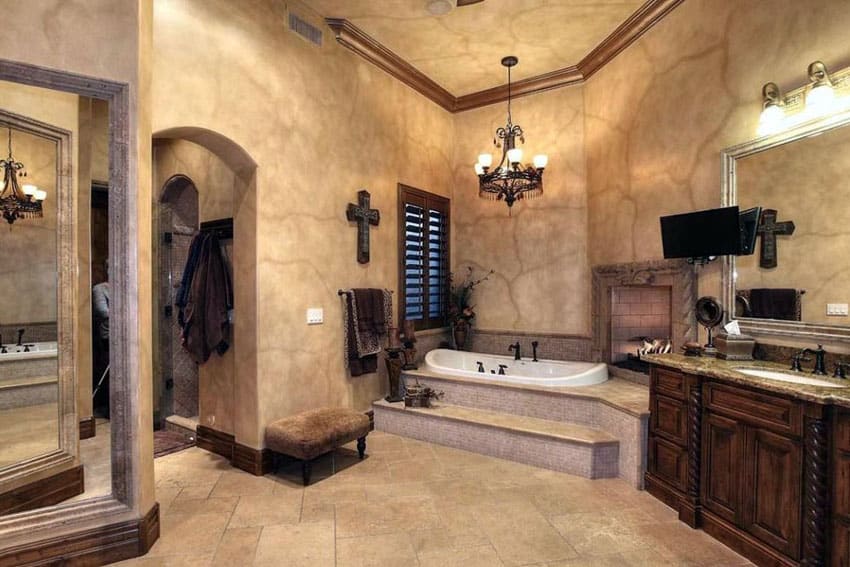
616,407
33,332
552,346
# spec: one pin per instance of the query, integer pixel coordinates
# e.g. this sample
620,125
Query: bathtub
542,373
36,351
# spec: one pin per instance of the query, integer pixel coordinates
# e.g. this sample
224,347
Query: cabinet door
840,545
668,462
722,453
772,507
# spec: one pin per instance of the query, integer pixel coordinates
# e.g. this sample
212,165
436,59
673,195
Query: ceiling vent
308,31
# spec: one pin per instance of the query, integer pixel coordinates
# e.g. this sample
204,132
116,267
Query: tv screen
749,221
701,234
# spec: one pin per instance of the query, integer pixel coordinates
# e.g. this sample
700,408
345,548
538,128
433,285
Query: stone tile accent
552,346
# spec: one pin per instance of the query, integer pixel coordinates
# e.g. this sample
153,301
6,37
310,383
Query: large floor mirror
796,283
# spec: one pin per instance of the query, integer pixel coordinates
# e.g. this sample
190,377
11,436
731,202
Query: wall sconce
773,113
822,94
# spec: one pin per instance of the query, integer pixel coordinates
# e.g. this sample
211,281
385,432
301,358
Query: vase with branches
461,311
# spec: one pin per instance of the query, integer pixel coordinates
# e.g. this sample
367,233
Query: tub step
565,447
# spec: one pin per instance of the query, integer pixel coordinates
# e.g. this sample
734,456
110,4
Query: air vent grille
308,31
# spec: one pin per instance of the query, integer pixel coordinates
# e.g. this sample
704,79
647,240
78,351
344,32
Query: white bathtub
542,373
36,350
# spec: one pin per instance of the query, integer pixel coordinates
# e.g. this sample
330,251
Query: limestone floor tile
239,483
237,547
374,518
385,550
603,532
266,510
309,544
441,540
203,505
690,547
168,561
189,534
165,495
196,491
478,556
417,470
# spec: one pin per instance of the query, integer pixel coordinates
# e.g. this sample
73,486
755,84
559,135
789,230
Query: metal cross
364,216
768,229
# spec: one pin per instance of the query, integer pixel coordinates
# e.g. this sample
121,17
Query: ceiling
461,51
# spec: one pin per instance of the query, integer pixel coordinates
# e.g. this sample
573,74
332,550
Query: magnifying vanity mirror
797,283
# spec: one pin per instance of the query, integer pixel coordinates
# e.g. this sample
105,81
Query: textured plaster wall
539,254
322,124
658,115
216,184
805,181
48,33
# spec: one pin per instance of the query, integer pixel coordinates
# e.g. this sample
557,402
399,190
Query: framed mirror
797,282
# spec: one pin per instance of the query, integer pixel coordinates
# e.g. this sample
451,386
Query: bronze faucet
517,351
820,365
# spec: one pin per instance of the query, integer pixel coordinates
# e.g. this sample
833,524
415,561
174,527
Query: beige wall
322,124
806,182
657,116
539,253
48,33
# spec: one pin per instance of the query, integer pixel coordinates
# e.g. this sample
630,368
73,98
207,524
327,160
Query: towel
775,303
367,313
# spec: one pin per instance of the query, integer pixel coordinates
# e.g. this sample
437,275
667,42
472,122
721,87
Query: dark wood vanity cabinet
750,467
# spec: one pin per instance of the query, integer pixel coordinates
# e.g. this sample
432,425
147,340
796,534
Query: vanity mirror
797,283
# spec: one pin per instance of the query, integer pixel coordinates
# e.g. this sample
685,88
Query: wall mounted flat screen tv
701,234
749,221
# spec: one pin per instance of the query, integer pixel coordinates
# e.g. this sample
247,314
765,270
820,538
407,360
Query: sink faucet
820,365
502,368
534,351
20,336
517,351
840,370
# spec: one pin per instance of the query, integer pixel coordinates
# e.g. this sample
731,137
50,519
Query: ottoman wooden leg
361,446
306,469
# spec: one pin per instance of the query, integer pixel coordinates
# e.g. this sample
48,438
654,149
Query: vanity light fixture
819,100
510,181
18,202
773,112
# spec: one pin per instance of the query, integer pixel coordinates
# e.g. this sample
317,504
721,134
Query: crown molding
652,12
355,39
352,37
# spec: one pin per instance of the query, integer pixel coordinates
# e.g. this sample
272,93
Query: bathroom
280,134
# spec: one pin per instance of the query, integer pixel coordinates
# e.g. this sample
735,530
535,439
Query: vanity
761,464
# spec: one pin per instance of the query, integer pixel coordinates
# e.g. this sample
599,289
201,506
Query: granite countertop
727,370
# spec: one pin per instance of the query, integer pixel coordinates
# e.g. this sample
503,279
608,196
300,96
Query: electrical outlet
837,309
315,316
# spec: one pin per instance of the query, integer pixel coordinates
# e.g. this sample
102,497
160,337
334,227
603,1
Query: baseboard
255,461
97,546
44,492
87,428
745,544
216,442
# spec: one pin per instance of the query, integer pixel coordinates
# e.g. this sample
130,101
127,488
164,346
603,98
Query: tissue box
734,347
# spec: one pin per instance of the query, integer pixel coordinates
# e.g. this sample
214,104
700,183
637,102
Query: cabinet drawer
669,462
669,419
669,382
771,412
842,431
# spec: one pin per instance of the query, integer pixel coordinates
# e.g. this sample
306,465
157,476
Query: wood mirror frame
107,528
808,332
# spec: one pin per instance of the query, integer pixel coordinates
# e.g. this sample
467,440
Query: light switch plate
315,316
837,309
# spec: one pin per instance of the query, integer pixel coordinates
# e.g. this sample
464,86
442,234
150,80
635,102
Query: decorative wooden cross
768,229
364,216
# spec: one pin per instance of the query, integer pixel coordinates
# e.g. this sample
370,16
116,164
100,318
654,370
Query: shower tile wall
638,311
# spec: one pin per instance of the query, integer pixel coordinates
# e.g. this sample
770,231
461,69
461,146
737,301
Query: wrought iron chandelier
18,202
511,180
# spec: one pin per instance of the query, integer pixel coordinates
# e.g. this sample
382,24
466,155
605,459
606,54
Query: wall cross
364,216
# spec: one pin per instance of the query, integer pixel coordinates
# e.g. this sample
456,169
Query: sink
795,378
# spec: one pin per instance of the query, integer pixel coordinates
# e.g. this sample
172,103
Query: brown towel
207,326
775,303
370,311
357,365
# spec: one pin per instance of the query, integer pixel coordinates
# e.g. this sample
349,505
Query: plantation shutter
424,257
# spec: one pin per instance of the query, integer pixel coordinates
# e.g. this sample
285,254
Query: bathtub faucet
20,336
534,351
517,351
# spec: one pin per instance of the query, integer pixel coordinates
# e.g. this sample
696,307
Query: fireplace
639,306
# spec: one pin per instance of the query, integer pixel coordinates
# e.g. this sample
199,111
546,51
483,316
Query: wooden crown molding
355,39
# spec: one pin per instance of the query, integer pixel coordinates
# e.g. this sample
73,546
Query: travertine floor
28,432
413,504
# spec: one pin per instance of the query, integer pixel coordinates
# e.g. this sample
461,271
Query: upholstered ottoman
309,434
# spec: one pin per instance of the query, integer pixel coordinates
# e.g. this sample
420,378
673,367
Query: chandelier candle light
18,202
510,181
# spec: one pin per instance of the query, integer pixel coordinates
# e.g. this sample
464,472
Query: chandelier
18,202
511,180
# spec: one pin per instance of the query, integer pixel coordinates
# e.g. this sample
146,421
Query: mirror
797,278
55,443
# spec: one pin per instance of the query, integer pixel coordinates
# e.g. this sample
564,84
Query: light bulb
515,155
771,120
479,169
40,195
819,100
540,161
29,189
486,160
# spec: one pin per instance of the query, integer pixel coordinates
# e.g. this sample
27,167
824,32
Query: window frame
408,194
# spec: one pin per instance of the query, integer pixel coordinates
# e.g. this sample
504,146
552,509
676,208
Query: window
423,257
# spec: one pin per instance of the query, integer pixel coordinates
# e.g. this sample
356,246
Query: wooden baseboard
44,492
255,461
98,546
660,489
743,543
87,428
215,441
